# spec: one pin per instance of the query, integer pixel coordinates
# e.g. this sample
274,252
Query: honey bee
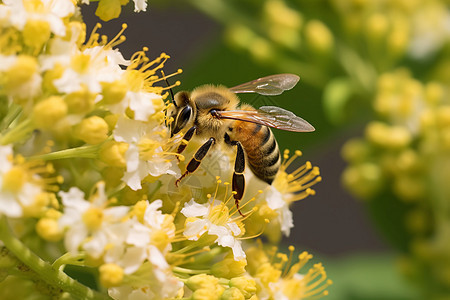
215,113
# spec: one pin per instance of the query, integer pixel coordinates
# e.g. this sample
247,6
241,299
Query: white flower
141,103
156,280
140,5
17,187
154,220
212,218
90,68
280,204
27,89
19,12
90,225
145,155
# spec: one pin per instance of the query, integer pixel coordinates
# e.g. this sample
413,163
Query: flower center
93,218
135,80
147,148
34,6
14,179
80,63
219,214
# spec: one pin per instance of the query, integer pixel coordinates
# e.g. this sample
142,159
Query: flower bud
108,9
113,92
112,153
355,150
92,130
20,72
232,294
80,102
318,36
111,275
229,268
48,229
208,293
201,281
246,285
48,112
36,33
363,180
376,27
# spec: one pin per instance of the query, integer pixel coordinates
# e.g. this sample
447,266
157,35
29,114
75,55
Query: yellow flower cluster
88,170
406,154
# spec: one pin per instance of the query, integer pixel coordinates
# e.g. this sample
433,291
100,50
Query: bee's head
182,112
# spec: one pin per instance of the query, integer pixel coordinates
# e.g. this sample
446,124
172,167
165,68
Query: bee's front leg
238,184
186,138
194,163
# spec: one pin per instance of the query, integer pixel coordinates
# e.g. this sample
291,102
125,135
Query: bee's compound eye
182,119
185,114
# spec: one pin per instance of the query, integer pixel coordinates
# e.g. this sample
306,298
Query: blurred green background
375,79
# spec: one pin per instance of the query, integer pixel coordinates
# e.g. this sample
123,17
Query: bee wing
271,116
269,86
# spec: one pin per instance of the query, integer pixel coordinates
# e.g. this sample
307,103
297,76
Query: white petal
128,130
62,8
274,198
238,253
195,229
133,259
157,258
286,220
139,235
234,228
115,213
9,206
69,82
96,245
140,5
75,236
193,209
74,198
142,105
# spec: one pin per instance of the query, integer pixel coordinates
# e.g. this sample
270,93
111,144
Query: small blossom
89,224
22,190
145,155
290,185
213,218
278,278
51,11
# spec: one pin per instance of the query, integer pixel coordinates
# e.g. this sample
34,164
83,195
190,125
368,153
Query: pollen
93,218
111,275
14,179
296,181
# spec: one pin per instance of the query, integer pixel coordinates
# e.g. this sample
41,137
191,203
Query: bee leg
198,156
186,138
238,184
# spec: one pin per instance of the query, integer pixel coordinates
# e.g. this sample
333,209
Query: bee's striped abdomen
260,145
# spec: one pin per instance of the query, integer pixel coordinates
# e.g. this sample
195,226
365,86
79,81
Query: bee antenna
170,89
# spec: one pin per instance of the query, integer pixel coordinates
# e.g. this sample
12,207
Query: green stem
17,133
69,259
88,151
46,272
13,112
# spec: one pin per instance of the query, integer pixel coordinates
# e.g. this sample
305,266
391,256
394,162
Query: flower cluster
88,169
387,62
406,153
